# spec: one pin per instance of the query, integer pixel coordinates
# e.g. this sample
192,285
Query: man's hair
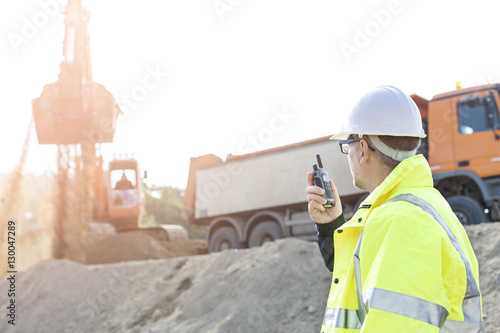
404,143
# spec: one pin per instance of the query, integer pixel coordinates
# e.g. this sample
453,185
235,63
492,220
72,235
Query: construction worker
124,183
403,262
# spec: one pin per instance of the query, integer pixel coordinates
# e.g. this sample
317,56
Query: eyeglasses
344,145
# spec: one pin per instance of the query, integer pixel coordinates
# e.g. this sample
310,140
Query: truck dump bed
266,179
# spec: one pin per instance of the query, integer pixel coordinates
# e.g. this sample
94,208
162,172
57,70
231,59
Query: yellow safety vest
404,263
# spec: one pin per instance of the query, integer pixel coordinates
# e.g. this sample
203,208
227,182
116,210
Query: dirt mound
279,287
485,239
130,246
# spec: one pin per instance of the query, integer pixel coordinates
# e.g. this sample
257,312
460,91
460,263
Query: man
124,183
403,263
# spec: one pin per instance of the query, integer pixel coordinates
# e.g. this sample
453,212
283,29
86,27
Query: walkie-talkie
321,179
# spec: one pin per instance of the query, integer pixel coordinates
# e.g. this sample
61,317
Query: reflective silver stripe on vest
341,318
471,305
405,305
454,326
362,310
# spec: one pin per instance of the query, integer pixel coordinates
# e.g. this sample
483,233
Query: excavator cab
123,190
124,193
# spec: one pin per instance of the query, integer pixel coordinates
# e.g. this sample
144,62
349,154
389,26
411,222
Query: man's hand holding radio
318,213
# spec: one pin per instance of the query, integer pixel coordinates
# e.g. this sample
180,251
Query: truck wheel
264,232
468,210
222,239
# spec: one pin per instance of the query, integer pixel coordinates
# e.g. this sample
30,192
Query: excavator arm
75,109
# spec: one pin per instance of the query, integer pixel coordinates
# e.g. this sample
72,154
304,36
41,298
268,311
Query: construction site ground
134,283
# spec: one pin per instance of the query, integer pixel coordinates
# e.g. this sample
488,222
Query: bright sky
232,76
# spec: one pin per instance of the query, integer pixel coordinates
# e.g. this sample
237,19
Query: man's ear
364,151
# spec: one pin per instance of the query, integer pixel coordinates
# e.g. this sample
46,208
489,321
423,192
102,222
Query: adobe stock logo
222,7
364,36
279,121
151,81
31,27
220,178
487,79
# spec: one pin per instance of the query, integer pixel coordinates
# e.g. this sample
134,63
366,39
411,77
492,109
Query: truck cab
463,149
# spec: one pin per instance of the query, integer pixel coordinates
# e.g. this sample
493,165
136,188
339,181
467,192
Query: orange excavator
75,110
118,198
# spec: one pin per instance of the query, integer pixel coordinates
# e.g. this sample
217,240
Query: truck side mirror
489,115
145,174
490,110
489,118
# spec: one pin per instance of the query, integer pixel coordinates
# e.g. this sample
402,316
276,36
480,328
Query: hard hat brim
345,135
340,136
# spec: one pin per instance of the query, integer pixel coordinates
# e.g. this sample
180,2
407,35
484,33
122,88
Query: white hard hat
385,110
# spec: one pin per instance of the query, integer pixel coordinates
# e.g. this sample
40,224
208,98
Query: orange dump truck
250,199
463,149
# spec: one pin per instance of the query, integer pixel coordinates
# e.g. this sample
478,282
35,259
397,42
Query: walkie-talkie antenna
319,161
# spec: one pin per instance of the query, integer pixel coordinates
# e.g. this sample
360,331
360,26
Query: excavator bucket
72,115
